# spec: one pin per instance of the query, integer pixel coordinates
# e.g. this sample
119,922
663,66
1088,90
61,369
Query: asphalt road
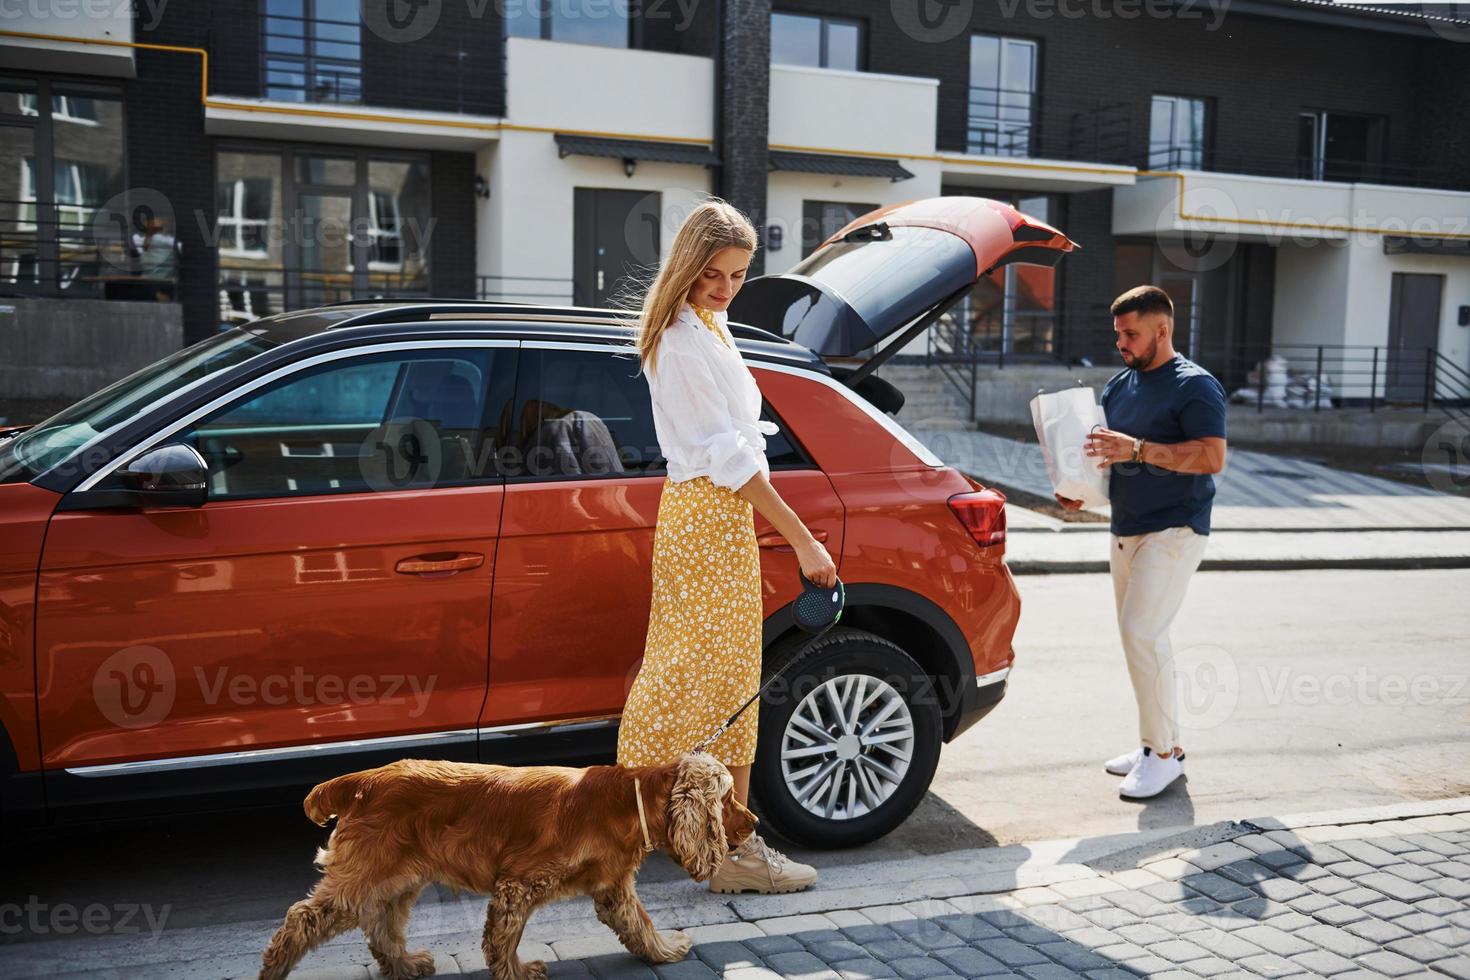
1308,691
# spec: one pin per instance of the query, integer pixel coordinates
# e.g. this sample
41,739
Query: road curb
1022,567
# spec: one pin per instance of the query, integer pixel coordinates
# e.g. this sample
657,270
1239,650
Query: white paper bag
1063,419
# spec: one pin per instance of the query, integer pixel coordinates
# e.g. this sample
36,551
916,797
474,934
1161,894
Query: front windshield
41,447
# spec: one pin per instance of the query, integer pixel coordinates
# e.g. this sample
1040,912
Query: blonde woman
702,658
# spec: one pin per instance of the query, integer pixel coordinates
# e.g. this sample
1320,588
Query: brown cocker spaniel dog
523,836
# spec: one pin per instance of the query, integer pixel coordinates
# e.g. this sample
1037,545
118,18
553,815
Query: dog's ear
696,811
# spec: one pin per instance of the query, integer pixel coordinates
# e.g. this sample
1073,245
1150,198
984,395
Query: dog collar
642,820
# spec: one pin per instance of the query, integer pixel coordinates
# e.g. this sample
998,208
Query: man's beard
1138,363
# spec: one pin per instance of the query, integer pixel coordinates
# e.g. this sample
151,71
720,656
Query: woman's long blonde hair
713,225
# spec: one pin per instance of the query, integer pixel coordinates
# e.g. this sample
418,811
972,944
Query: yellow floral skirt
702,656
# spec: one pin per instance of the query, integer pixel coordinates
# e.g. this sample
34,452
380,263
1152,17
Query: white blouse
706,404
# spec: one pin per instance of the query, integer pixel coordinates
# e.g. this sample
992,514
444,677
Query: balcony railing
525,289
1294,167
62,250
249,292
1016,123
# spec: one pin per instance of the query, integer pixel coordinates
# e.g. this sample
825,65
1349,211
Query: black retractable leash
817,610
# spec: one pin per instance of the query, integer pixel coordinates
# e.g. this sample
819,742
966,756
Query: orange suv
333,538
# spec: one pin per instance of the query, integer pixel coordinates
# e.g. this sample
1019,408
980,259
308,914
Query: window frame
243,392
1206,141
361,266
540,11
42,213
309,60
824,54
1033,95
652,471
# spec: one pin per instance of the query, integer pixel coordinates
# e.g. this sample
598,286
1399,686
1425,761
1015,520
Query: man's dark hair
1142,300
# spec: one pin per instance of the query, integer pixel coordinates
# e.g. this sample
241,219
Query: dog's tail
335,797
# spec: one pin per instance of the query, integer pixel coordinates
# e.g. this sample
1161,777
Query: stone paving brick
1271,965
1412,872
1366,851
1418,922
1459,967
1281,859
685,970
1377,931
1050,971
1358,897
619,966
801,964
1143,934
1274,940
1149,965
1311,904
969,962
1351,869
1394,887
1217,887
970,928
864,969
1331,885
1421,949
1178,951
837,950
1012,953
1139,903
897,949
1179,923
1390,963
726,956
929,934
1210,966
1323,962
751,973
1451,936
1340,915
1336,940
1289,920
1449,887
1169,891
1110,974
769,945
1227,945
1280,889
1245,872
1072,956
873,933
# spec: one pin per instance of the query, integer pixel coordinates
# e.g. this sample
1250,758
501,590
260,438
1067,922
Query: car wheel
849,739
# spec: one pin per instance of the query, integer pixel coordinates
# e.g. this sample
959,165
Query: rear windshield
890,280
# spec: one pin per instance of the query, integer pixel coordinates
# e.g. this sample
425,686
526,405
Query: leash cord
707,742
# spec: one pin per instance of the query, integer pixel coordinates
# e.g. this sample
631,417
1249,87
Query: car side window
390,421
585,414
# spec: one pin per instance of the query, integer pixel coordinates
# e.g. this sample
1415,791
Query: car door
574,577
333,589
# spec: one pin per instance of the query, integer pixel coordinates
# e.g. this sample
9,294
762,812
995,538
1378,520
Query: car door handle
777,541
440,564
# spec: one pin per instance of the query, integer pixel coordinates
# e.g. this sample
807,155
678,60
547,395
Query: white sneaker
1123,764
1150,777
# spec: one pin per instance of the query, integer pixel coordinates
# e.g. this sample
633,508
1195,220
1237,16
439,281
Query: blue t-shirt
1175,402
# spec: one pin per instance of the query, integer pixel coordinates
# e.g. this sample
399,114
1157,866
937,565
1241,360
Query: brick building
1295,172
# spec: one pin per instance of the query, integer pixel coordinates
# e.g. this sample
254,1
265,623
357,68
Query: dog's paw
678,944
415,965
534,970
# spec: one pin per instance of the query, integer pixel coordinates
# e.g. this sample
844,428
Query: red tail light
983,512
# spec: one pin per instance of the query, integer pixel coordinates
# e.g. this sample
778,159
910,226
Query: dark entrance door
1413,330
616,237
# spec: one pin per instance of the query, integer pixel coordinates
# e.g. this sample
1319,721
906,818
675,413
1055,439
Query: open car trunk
891,274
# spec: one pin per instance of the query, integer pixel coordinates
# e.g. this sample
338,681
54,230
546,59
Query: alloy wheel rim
847,747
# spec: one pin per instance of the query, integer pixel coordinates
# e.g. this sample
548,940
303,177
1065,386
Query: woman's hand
816,564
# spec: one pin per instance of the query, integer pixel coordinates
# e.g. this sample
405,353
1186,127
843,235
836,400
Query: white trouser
1150,574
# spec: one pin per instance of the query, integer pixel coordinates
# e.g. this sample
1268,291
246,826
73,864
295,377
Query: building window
821,220
62,160
311,50
817,42
574,21
1339,146
298,228
1176,133
1013,309
1002,95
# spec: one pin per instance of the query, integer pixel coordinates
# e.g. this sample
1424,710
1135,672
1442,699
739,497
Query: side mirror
174,475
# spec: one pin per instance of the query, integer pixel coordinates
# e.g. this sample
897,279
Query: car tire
878,783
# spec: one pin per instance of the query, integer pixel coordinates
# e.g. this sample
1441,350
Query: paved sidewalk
1379,892
1269,513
